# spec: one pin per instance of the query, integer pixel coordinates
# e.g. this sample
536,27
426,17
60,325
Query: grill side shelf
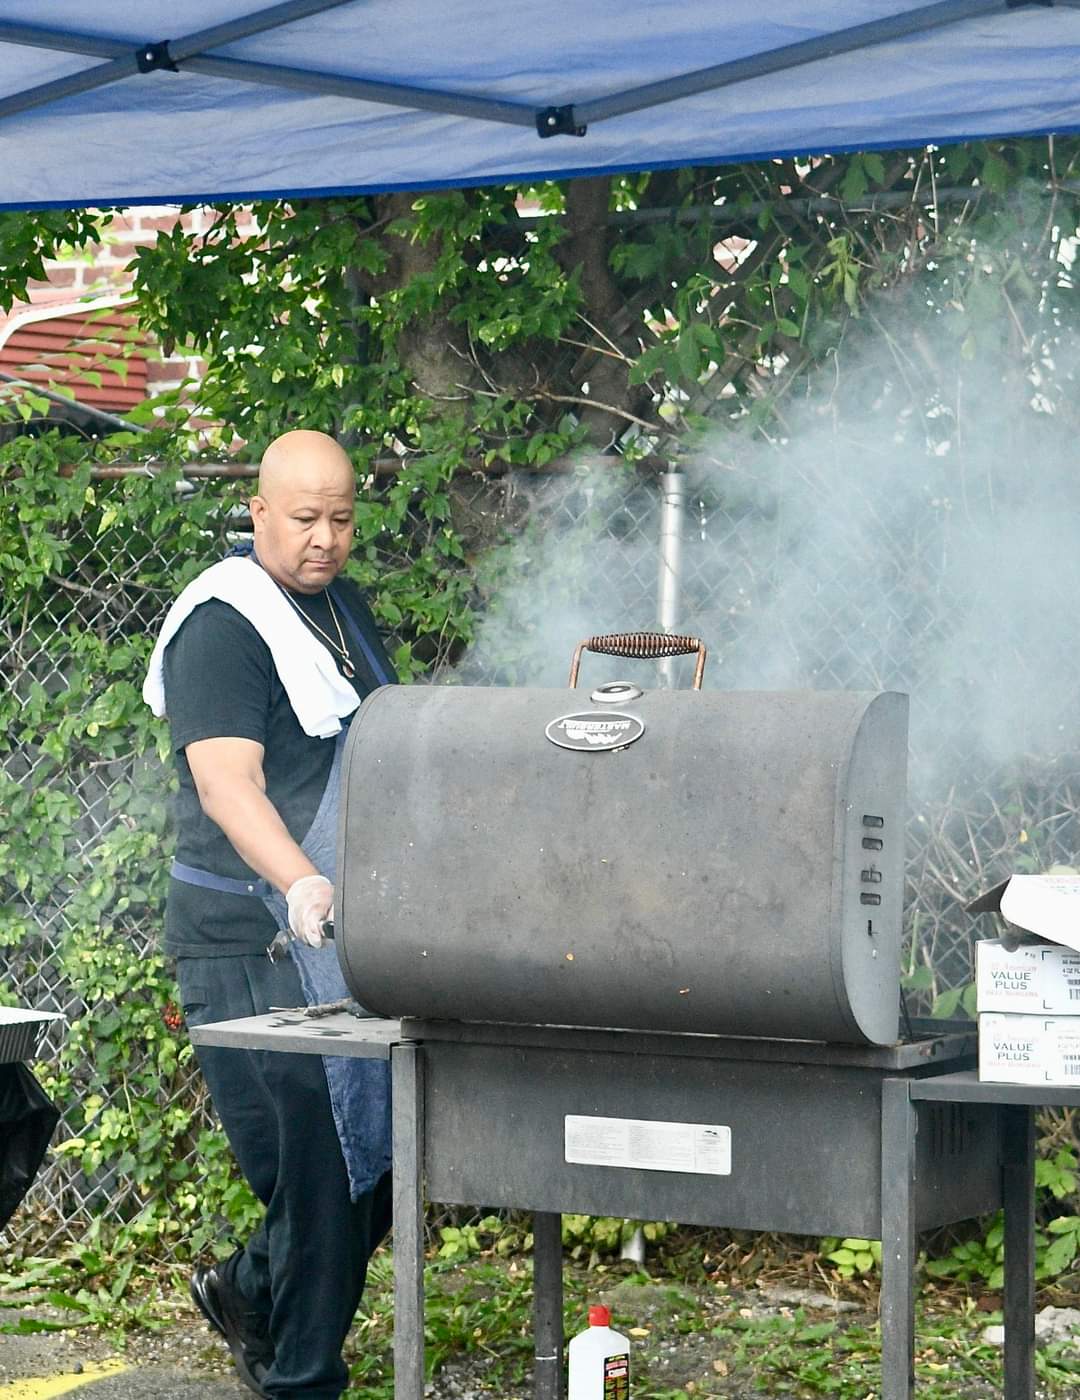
341,1034
965,1086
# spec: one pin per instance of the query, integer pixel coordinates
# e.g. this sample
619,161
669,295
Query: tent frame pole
125,61
740,70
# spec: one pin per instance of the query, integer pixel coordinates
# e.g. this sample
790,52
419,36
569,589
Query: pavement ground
184,1362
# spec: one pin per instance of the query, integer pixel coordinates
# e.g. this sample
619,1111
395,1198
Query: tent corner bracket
558,121
151,57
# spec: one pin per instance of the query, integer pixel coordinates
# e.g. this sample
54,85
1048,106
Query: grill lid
735,867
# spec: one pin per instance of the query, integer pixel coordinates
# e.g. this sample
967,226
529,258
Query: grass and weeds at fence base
691,1334
83,1288
710,1315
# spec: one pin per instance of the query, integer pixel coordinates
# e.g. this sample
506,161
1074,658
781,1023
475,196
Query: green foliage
852,1257
435,333
76,709
586,1238
978,1260
491,1235
686,1338
592,1237
89,1284
955,1002
87,568
489,1315
1057,1174
27,240
796,1355
982,1259
345,354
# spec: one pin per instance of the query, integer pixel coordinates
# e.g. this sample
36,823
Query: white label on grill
704,1148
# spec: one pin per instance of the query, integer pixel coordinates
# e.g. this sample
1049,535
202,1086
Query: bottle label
617,1377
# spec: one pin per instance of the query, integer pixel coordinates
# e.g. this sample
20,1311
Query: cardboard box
1041,979
1019,1049
1047,905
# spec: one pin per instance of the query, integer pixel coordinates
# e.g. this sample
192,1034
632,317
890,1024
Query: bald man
252,649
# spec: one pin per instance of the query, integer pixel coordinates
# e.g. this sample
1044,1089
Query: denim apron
359,1088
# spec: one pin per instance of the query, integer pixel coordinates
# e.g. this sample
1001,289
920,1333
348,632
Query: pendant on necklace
348,670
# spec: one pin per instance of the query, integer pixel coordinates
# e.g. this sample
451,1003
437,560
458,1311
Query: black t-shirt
221,682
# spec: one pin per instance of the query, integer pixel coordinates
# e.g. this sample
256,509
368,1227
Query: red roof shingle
75,347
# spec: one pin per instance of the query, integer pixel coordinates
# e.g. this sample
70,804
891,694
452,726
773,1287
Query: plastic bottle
599,1361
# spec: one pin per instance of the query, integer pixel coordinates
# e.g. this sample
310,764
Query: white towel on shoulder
319,694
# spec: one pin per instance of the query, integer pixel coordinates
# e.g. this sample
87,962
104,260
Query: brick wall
101,272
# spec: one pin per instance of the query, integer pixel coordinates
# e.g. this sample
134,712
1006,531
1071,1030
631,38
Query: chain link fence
795,575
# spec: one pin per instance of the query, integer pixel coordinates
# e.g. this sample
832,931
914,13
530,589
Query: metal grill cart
646,952
880,1142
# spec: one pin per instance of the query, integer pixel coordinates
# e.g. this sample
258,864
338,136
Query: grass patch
693,1332
688,1337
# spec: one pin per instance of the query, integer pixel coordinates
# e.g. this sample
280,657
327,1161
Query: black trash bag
28,1119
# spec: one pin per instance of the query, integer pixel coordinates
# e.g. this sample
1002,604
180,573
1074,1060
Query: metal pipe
37,36
209,471
788,56
403,95
381,467
803,206
40,36
547,1306
245,26
407,1073
125,60
66,402
669,577
84,81
191,53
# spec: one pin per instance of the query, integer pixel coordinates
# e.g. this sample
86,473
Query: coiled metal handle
641,646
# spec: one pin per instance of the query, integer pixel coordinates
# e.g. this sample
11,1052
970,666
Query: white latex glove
310,900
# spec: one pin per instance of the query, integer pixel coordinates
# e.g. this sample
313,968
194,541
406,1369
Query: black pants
305,1265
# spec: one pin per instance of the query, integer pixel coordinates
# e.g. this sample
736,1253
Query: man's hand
310,900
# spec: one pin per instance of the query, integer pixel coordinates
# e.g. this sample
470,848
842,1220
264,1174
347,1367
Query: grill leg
897,1241
408,1088
547,1306
1018,1193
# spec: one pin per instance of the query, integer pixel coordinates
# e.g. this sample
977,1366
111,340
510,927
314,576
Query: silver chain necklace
348,670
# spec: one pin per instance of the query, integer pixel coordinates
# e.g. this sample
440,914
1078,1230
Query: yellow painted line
45,1387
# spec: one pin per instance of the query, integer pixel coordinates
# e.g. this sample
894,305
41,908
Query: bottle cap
599,1316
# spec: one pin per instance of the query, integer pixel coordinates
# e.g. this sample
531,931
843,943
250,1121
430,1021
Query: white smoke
916,527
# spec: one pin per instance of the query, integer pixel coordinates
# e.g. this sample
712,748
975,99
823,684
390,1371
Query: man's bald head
303,513
302,456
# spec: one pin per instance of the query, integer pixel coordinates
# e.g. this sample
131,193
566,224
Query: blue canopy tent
148,101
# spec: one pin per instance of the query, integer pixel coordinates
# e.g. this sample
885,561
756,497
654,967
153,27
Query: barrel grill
675,861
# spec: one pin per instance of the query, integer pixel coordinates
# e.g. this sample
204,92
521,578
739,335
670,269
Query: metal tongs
279,948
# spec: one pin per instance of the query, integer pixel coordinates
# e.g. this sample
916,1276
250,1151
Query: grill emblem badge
595,731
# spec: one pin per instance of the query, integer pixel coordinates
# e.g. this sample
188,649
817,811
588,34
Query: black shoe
244,1330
